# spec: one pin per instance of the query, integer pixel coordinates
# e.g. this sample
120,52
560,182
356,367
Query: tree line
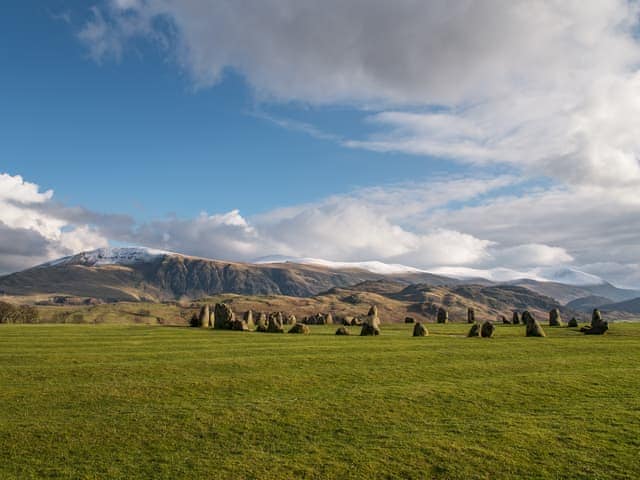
18,313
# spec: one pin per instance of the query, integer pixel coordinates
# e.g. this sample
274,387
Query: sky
473,137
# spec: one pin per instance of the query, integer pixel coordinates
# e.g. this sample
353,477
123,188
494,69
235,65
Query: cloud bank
548,90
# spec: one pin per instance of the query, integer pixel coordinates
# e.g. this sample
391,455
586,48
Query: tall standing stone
443,316
224,316
533,327
248,319
203,317
471,315
554,318
371,323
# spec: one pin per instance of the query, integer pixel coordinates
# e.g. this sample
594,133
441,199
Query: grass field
105,401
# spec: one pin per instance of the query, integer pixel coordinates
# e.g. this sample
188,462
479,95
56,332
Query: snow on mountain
131,255
570,276
110,256
564,275
493,274
371,266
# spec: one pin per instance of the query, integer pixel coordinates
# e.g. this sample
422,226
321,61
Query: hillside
566,293
587,304
629,306
132,275
394,300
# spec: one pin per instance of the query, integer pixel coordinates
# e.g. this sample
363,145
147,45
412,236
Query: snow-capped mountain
371,266
564,275
110,256
158,274
132,255
570,276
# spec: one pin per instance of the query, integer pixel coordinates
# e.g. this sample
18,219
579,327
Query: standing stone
248,319
328,319
224,316
598,325
533,327
299,328
409,320
596,318
420,330
554,318
239,325
261,324
504,320
487,329
516,318
471,315
573,322
371,323
443,316
275,323
474,331
342,331
203,317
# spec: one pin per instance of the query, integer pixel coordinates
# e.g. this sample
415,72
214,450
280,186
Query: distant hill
628,306
120,274
139,274
565,293
587,304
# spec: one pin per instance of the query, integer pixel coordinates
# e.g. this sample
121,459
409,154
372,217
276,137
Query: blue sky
469,139
139,127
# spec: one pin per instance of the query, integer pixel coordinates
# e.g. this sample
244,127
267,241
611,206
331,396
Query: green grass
105,401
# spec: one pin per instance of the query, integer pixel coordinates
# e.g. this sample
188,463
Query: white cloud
549,89
29,234
532,255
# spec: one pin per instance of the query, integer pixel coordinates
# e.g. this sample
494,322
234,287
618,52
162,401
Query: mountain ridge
138,273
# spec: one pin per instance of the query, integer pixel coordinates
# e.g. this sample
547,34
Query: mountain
587,304
134,274
628,306
115,274
567,293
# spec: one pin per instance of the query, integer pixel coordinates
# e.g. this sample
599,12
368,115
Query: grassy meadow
136,401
